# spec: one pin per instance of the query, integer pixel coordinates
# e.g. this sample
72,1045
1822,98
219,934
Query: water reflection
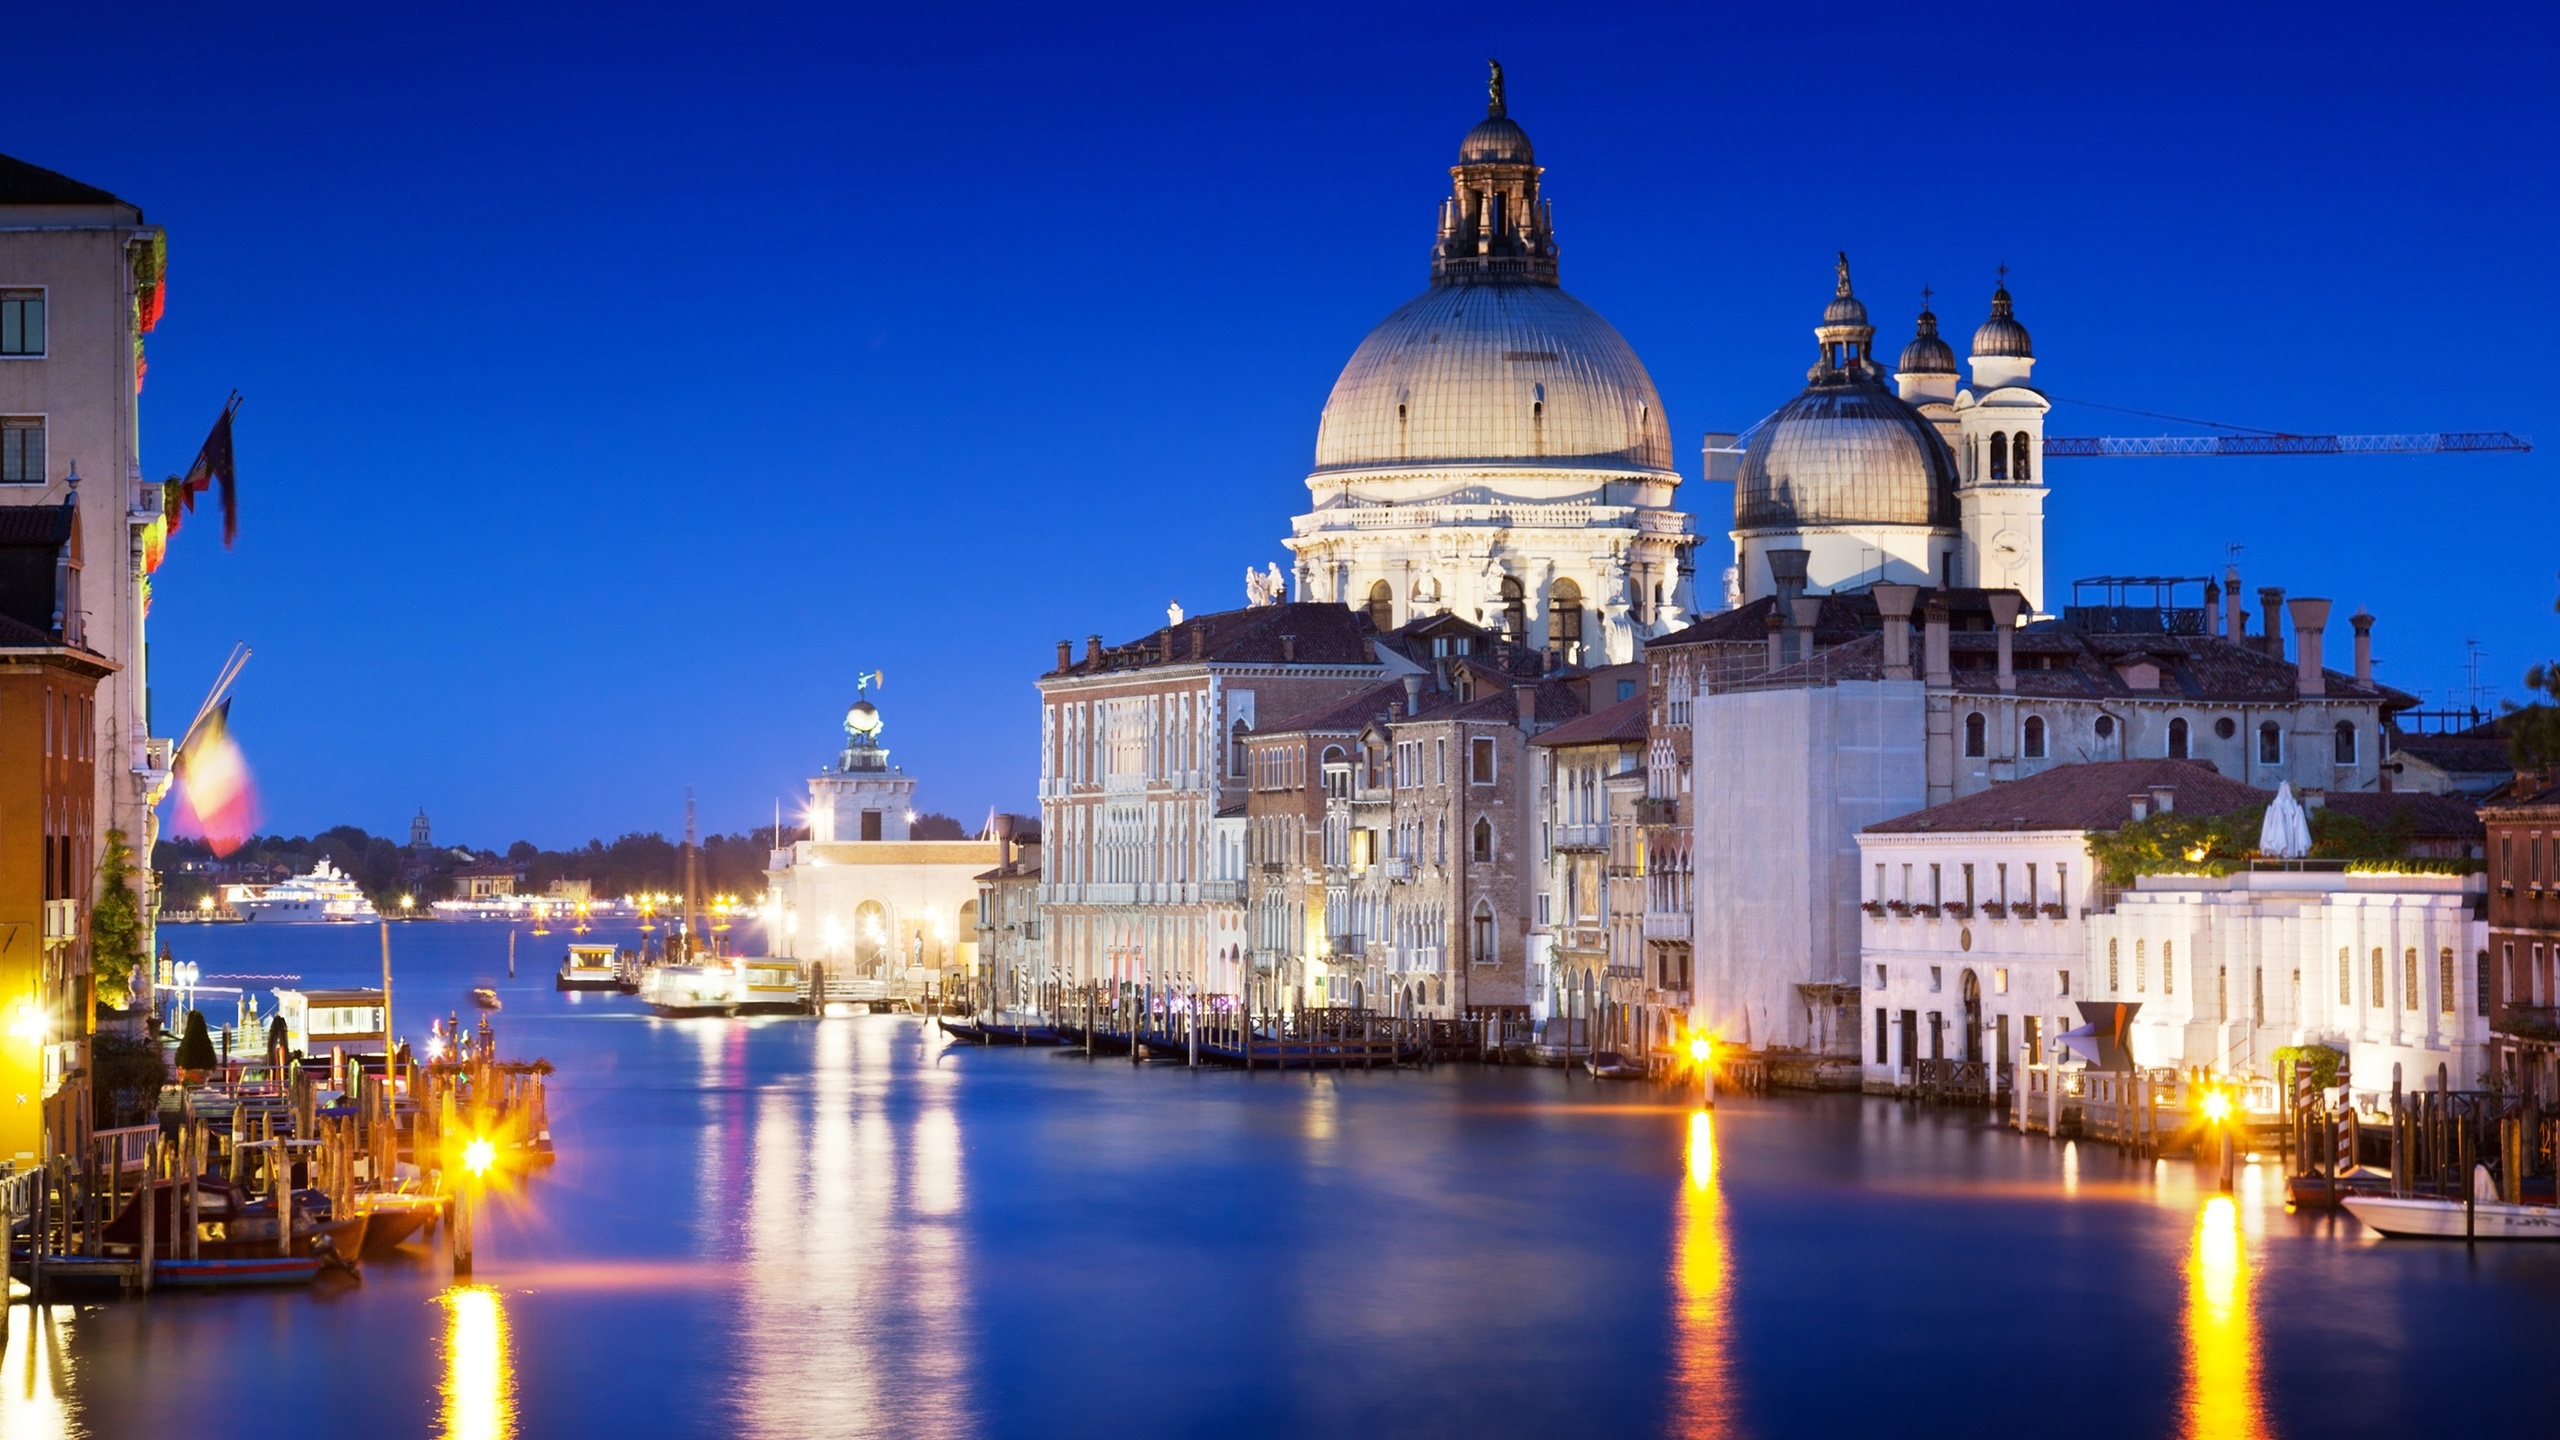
1701,1388
479,1372
36,1375
2222,1395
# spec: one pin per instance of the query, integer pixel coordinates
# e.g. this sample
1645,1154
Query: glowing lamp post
2217,1113
477,1157
1702,1051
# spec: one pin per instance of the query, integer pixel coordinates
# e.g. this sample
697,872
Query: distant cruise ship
321,897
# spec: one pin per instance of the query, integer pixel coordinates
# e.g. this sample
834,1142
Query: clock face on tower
2008,551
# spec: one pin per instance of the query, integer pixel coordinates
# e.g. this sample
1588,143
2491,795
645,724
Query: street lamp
1702,1050
2217,1113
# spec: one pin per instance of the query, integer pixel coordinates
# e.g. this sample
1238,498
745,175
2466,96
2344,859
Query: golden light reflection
2222,1397
1701,1372
2070,1167
479,1373
36,1375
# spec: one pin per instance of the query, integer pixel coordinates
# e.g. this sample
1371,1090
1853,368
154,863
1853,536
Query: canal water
789,1227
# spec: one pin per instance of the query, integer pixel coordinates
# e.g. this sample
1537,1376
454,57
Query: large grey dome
1501,373
1845,452
1496,139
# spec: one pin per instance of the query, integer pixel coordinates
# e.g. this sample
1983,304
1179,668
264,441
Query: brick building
2522,968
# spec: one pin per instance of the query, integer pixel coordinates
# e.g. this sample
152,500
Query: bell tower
2000,457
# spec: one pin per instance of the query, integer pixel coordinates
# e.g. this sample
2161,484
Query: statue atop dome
1493,91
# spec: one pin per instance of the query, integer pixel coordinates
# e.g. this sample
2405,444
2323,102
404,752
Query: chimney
2364,645
2141,806
2164,798
1933,643
2234,619
2005,605
2271,601
1806,610
1199,643
1413,695
1164,647
1524,698
1777,637
1894,602
2310,618
1004,838
1066,654
1093,649
1288,649
1786,571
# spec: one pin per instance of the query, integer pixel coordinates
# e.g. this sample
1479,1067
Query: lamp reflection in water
1701,1369
2222,1400
36,1374
479,1374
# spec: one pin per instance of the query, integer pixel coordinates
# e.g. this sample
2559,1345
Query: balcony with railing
1666,925
1588,835
1221,892
1399,868
1653,810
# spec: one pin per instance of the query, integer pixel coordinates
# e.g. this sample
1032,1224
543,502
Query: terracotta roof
2096,796
35,524
18,634
1620,724
1344,715
25,184
2458,754
2206,669
1293,633
2428,816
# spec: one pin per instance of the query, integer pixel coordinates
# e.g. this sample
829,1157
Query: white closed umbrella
2286,832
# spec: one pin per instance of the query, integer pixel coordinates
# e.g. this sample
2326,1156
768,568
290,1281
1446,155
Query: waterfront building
1988,924
51,686
2472,763
1610,988
1303,854
1011,970
80,288
481,880
1144,783
2523,960
1494,449
859,895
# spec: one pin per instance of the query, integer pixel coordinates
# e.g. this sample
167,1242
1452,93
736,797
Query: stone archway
1972,1017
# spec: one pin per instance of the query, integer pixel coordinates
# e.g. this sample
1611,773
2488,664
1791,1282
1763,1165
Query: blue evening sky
620,383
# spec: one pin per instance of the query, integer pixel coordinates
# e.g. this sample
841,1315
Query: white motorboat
2411,1217
590,967
691,989
325,896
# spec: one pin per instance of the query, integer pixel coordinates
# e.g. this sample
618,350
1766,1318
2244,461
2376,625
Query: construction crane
2459,442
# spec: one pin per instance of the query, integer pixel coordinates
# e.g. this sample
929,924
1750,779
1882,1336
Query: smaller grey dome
2002,334
1497,139
1927,354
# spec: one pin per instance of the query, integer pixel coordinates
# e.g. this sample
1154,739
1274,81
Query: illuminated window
2168,968
2377,998
2444,980
2409,978
2346,978
1564,615
2114,976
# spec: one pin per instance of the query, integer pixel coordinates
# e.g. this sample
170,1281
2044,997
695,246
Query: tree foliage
195,1046
115,925
2319,1062
2183,843
2533,729
126,1075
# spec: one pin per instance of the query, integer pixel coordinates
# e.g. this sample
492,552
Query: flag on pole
213,466
214,781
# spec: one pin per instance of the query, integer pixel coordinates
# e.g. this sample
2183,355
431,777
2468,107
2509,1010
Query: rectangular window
2115,976
2346,978
2444,980
1937,887
1881,1056
2061,982
1936,983
2507,974
21,322
1878,896
1968,885
2031,885
2168,967
2409,978
1881,982
1480,760
2141,966
2377,999
21,450
2000,980
1440,761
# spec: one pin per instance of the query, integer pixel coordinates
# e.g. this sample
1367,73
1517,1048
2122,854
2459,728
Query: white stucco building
1495,449
858,894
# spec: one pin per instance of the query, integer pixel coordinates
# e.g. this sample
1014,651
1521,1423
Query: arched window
2021,467
1974,727
2346,742
1235,749
2178,739
1564,616
1382,607
2033,744
2270,744
1515,608
1480,940
1999,455
1483,846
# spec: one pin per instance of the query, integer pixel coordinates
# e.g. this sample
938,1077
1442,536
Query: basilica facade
1495,450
